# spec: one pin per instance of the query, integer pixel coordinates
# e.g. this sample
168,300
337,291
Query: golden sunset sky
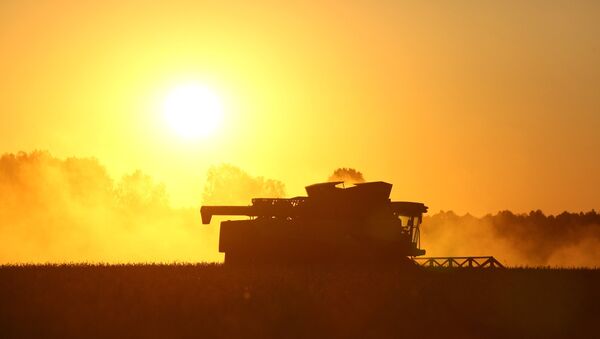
474,106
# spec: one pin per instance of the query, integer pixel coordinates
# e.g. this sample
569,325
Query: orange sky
465,105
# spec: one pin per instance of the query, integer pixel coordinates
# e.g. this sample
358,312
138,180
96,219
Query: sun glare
193,111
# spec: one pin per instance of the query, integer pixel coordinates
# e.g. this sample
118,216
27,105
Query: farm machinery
331,224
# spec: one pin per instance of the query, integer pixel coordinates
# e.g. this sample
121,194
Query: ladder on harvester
458,262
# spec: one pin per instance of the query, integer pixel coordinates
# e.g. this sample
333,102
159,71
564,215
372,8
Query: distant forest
567,239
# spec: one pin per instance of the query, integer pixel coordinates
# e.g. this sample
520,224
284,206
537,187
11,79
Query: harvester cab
355,224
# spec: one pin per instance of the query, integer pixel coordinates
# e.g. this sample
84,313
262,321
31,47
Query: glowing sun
193,111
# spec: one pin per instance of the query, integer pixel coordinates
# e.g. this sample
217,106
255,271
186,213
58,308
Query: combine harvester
359,224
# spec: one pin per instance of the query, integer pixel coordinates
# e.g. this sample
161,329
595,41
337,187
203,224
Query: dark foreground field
211,301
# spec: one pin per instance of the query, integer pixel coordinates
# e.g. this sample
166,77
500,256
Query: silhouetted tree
137,191
348,175
228,184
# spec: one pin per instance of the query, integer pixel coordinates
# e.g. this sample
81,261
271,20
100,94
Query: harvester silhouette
331,224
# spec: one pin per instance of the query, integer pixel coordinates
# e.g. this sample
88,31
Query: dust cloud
71,210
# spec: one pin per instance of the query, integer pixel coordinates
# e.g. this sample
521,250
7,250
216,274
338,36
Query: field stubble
213,301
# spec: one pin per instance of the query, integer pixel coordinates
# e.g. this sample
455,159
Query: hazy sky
466,105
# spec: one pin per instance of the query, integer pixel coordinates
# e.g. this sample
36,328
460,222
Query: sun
193,111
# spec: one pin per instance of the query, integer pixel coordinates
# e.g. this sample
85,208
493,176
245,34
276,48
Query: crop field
213,301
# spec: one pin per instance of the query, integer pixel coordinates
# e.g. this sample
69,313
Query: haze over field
71,210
